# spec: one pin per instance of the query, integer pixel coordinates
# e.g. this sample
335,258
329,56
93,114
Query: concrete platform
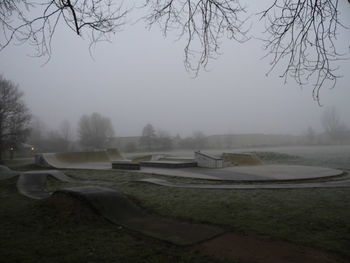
100,160
125,165
251,173
168,164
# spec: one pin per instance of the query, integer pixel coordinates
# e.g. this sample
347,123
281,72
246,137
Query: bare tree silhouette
36,21
203,23
303,32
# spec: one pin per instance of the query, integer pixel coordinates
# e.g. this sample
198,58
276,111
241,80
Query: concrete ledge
168,164
125,165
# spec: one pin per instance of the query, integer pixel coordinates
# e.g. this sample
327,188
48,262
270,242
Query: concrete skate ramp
177,159
98,159
6,172
148,157
114,154
33,184
117,208
144,158
241,159
4,168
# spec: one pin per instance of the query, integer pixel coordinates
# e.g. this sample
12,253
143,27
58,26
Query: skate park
240,167
237,172
230,171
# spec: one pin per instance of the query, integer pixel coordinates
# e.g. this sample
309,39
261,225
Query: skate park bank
227,167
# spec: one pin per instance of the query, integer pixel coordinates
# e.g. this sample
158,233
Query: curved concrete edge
176,173
4,168
6,173
262,173
105,201
119,209
71,160
78,160
332,184
33,184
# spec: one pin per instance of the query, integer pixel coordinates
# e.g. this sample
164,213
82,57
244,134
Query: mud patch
68,208
241,248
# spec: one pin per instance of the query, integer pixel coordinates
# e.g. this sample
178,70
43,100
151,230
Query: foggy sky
140,78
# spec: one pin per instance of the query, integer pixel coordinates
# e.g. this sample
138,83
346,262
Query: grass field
316,217
38,231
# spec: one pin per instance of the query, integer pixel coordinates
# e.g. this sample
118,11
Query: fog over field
140,78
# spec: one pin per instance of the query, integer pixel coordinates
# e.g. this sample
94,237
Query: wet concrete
250,173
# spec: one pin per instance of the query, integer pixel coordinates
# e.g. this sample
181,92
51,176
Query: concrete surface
250,173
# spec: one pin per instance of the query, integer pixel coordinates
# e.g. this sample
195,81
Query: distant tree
65,132
197,141
310,135
55,140
228,141
164,141
94,131
38,133
59,140
130,147
148,138
186,143
14,117
334,128
177,141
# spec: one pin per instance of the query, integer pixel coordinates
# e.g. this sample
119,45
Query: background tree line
96,132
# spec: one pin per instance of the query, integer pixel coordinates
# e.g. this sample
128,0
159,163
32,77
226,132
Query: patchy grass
33,231
7,175
275,157
120,176
17,163
315,217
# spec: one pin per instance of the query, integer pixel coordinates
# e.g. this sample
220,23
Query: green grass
315,217
275,157
33,231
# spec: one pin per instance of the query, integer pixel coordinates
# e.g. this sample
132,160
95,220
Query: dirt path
253,249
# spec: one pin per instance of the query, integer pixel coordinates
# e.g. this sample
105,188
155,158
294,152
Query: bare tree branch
97,18
203,23
303,33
